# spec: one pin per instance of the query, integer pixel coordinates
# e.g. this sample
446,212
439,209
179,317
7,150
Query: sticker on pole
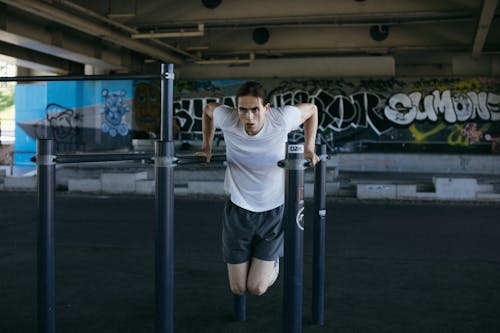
296,149
299,219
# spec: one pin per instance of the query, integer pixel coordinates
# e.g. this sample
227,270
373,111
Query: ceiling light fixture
379,32
260,36
199,33
237,61
211,4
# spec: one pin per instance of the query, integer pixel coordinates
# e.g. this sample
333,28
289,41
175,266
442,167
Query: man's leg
238,277
261,276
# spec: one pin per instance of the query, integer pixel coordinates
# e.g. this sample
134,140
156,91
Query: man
255,135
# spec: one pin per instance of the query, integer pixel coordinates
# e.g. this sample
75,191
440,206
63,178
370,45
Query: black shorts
247,234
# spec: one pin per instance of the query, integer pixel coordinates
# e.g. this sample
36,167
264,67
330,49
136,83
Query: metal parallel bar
89,158
240,307
216,157
102,77
46,281
83,158
164,207
170,105
199,160
164,264
318,297
167,105
294,241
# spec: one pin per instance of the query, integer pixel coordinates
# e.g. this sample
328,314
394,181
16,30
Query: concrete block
20,183
118,182
84,185
141,175
455,188
143,145
206,187
376,191
181,191
330,175
485,188
145,187
409,192
488,196
404,191
425,196
331,189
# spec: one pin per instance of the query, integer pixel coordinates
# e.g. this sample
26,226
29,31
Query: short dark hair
252,88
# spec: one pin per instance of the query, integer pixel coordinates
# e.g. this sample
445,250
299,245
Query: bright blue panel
30,101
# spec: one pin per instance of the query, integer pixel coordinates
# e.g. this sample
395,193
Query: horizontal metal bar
82,158
102,77
196,159
149,157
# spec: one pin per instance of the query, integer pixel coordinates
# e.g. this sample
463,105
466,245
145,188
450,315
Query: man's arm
208,130
309,117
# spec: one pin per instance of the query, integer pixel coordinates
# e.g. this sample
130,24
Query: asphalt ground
391,267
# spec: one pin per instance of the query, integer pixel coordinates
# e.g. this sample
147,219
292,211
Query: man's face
252,113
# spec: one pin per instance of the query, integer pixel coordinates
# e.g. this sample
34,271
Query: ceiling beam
28,35
483,26
109,20
320,67
39,61
46,11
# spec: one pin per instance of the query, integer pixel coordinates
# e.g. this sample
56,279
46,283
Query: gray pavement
391,267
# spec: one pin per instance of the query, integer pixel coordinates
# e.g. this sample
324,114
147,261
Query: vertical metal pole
46,282
294,239
167,105
164,207
240,307
318,297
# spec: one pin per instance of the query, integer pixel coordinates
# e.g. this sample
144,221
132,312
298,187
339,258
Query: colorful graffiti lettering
354,115
404,109
421,135
466,135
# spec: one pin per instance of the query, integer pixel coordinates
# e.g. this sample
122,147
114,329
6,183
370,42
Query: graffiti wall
448,115
80,116
434,115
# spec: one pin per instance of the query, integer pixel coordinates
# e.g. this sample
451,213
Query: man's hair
252,88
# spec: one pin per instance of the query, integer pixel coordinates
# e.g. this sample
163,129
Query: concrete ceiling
261,38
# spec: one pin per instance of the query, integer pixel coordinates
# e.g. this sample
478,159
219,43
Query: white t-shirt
253,179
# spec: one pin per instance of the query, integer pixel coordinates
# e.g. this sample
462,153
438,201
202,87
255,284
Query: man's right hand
207,153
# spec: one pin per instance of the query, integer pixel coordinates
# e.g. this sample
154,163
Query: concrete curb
138,179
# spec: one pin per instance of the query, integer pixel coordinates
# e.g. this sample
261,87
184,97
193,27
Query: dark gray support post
164,207
46,282
167,102
318,298
294,238
240,307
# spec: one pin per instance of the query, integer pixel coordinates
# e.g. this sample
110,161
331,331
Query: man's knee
238,277
238,289
258,288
